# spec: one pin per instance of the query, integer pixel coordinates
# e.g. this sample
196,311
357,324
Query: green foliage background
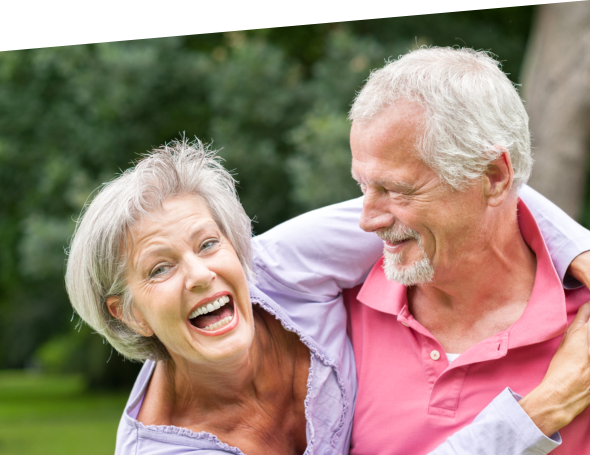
273,101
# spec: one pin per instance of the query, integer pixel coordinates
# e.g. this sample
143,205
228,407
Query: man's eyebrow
393,184
384,183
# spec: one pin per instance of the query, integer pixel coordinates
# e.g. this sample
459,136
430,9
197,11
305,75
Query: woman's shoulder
139,387
135,437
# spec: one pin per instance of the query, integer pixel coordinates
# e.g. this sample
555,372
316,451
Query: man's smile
396,245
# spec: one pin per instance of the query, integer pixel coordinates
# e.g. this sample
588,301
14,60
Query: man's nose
375,215
198,275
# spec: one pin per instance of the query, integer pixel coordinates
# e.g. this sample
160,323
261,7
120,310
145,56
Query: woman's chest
265,427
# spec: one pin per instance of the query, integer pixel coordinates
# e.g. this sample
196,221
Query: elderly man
465,300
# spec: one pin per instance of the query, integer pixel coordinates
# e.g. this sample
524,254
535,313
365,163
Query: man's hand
565,390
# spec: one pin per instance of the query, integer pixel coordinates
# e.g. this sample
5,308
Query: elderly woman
160,266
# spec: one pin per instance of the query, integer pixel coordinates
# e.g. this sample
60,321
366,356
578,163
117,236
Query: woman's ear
115,306
498,179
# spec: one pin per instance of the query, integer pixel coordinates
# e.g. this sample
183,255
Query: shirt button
403,323
435,355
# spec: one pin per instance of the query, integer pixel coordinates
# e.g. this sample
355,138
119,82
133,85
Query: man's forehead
380,138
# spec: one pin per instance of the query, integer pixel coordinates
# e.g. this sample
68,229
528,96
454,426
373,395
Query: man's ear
498,179
115,306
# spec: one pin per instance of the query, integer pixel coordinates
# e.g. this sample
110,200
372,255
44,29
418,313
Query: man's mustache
398,233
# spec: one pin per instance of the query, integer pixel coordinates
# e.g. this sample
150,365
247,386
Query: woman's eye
159,270
209,244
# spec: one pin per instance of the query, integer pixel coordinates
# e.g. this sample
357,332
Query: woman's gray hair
471,111
101,244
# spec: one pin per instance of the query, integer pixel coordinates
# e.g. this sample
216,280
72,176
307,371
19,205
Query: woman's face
188,286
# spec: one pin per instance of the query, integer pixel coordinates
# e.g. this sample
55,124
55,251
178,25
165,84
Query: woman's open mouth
216,317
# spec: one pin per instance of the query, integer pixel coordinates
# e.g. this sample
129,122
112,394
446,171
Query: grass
54,415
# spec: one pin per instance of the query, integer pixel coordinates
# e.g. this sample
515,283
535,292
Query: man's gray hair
101,244
471,111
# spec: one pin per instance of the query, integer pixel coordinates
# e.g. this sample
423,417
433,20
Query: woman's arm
316,255
506,426
503,427
565,238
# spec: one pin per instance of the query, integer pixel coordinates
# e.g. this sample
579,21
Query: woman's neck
257,404
179,387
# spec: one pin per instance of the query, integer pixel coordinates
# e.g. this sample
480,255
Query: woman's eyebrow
151,251
159,248
200,227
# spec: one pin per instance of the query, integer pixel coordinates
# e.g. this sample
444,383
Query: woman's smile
214,316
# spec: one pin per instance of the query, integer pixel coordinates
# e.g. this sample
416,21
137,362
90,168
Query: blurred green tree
274,101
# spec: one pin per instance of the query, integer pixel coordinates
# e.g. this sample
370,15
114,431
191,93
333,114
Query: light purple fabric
331,390
565,238
501,428
303,265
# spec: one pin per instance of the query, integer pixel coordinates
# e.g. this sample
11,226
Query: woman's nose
198,275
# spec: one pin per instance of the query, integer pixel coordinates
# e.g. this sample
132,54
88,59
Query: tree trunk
556,84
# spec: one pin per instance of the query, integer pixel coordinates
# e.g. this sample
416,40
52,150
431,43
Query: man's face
426,226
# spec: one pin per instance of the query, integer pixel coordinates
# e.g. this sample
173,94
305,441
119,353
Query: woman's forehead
178,220
173,212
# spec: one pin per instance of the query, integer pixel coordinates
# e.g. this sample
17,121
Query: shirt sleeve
565,238
314,256
502,427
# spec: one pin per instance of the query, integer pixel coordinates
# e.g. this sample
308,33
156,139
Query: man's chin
419,272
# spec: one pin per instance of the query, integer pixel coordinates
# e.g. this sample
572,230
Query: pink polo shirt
404,376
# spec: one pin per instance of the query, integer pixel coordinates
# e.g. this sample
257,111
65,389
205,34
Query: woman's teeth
211,306
219,324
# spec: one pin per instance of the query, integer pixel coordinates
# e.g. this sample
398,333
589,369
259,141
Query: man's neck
482,291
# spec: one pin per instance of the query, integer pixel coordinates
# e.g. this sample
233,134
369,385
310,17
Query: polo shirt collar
544,317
